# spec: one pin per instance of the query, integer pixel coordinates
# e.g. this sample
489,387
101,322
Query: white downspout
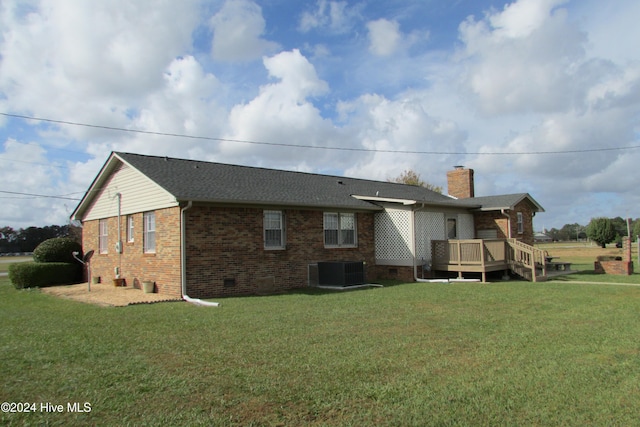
118,271
183,262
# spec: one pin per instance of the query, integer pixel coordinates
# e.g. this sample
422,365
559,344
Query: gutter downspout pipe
183,262
118,270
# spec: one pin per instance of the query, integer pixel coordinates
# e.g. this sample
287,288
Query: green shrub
42,274
59,249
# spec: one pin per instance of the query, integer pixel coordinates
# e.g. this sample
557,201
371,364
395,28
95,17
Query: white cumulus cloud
238,28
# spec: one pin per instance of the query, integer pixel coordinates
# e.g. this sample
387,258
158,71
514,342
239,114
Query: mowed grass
513,353
583,255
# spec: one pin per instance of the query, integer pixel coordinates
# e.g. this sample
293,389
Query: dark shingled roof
217,182
505,201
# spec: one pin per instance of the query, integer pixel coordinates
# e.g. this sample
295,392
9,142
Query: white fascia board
405,202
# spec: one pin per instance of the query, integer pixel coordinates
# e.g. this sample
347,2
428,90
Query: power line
317,147
39,195
35,163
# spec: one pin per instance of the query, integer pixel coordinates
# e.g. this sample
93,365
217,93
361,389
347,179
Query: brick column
626,248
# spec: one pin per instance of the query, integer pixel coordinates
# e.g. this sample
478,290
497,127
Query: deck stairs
526,261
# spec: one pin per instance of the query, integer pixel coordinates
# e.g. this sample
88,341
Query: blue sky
537,96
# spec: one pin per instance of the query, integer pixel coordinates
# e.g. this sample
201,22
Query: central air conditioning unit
341,273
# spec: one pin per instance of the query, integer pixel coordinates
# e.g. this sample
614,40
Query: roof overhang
405,202
261,203
417,203
526,196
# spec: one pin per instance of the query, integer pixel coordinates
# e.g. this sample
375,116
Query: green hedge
58,249
41,274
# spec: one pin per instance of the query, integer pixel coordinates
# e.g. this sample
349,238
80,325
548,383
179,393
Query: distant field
583,253
582,256
5,262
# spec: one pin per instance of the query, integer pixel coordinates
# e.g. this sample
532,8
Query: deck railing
525,256
481,253
468,252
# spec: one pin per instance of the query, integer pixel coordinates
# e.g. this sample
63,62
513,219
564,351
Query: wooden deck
482,256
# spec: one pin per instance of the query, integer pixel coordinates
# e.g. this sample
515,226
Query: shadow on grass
572,276
311,290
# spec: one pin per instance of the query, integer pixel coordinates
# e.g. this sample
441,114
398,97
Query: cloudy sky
537,96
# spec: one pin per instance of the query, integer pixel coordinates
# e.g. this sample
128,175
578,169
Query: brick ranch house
208,230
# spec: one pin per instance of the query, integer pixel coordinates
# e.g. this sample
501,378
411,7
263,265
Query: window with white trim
520,222
130,228
149,232
103,237
273,224
340,230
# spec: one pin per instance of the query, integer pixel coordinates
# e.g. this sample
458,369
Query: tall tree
636,229
571,232
601,231
26,239
8,238
411,177
620,224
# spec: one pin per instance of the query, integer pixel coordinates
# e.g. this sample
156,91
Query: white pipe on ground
198,301
183,263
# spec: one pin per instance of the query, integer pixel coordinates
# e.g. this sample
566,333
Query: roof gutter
183,262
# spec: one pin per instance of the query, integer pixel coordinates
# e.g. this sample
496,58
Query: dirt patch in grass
106,295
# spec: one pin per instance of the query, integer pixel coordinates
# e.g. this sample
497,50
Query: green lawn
513,353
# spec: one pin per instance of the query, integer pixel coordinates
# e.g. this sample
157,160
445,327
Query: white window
520,222
452,228
149,232
103,237
339,229
129,228
273,224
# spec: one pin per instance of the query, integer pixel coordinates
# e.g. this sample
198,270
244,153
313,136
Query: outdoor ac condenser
341,273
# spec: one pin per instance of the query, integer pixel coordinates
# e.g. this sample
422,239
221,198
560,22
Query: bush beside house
42,274
53,265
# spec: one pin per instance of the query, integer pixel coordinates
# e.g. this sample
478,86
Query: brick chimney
460,182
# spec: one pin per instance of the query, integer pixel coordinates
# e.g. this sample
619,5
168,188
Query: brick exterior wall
226,254
622,267
392,272
460,183
495,220
162,267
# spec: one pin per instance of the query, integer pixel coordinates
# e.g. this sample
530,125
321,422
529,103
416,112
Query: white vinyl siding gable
138,194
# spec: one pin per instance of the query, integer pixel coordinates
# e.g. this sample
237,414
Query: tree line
614,228
27,239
